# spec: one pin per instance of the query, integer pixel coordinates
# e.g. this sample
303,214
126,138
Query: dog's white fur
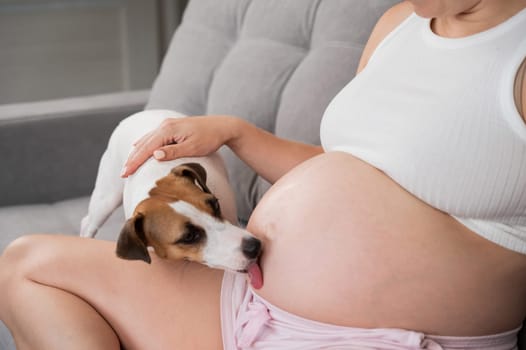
111,190
222,238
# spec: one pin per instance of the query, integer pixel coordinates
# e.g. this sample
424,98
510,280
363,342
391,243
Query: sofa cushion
60,217
51,149
275,63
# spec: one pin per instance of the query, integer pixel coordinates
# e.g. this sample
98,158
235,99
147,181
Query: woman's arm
268,155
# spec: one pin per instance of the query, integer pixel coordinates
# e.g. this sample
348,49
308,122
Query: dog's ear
193,171
131,244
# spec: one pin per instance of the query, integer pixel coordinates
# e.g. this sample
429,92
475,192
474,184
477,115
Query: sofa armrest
50,150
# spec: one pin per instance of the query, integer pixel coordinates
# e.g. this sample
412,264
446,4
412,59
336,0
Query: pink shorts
250,322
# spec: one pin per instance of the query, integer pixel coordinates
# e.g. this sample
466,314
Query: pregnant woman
405,230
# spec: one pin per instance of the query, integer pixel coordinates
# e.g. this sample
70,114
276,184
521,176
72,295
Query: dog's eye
192,235
214,204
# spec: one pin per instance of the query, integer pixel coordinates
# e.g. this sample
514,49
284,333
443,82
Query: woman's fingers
136,159
144,148
179,150
150,145
168,152
143,139
176,138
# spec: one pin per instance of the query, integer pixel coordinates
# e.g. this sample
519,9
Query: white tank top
438,116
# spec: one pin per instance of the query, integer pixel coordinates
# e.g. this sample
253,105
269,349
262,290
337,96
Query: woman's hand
266,154
181,137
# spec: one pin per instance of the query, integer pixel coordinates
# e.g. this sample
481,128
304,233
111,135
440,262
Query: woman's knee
25,254
15,262
17,250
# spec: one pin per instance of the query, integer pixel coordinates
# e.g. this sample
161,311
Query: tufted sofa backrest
275,63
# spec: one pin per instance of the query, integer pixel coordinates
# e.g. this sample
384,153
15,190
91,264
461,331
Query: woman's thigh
162,305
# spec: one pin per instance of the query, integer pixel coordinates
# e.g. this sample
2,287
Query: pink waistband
250,322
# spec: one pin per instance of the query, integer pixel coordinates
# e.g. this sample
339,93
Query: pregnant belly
346,245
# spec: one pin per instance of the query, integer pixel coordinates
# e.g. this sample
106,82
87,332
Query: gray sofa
276,63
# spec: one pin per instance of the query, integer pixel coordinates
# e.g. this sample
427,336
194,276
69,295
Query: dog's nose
251,247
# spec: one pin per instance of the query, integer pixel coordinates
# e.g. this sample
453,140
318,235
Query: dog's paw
87,230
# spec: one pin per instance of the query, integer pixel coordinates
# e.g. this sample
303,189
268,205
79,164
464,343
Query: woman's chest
448,145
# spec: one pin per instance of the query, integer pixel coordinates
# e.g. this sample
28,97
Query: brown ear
131,244
193,171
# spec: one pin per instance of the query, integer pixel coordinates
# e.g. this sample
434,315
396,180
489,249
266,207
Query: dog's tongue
255,275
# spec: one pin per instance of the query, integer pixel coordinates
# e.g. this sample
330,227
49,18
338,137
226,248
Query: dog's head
181,220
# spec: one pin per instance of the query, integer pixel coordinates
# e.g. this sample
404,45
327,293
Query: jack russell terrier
170,205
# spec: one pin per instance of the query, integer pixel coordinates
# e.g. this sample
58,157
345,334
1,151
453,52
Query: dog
169,206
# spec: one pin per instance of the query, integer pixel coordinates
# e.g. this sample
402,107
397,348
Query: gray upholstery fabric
51,150
62,217
275,63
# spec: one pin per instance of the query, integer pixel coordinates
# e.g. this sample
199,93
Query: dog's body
111,190
164,201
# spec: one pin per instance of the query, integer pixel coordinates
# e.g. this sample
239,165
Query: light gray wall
61,48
